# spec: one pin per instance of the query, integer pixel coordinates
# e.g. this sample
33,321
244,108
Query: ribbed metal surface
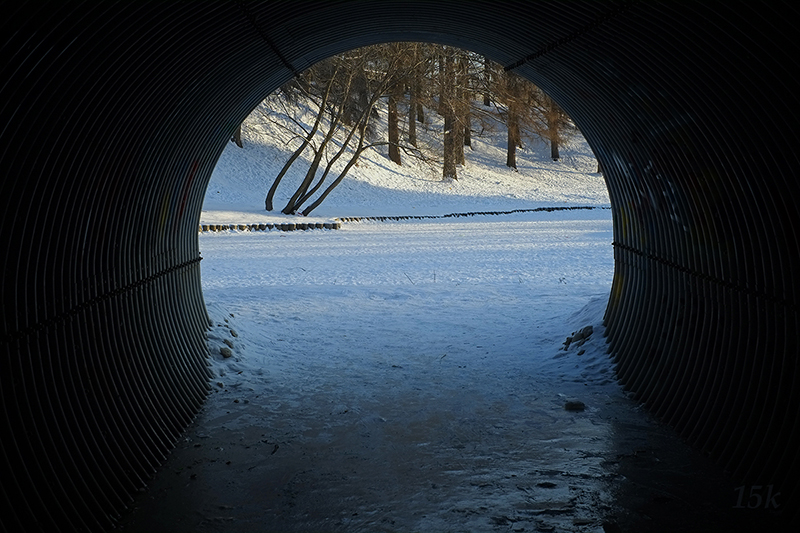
113,115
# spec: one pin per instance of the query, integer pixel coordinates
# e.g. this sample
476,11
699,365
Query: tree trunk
413,94
513,140
446,107
292,205
462,108
306,141
394,128
554,148
336,182
419,94
554,125
449,166
487,82
277,181
412,122
357,153
458,141
342,149
444,74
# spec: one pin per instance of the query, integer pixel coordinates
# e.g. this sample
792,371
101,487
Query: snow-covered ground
481,292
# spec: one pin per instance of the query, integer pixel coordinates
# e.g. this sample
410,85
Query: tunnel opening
103,317
397,329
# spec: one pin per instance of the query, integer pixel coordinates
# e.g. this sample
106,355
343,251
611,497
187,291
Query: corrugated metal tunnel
113,115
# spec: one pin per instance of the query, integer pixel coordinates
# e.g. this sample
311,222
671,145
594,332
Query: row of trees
469,93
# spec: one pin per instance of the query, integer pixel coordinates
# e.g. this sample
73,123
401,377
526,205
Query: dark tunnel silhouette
113,115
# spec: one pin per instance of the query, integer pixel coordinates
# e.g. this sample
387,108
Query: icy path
406,377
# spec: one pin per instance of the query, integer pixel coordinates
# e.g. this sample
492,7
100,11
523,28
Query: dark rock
574,405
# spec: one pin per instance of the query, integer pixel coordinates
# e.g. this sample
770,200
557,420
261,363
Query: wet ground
455,451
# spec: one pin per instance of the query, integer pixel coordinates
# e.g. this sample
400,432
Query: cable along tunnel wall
114,114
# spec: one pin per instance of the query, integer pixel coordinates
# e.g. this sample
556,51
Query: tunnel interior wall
113,115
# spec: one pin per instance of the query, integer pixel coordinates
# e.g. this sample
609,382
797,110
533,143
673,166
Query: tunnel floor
450,458
326,418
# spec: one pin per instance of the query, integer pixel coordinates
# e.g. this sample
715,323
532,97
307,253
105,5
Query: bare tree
487,80
447,108
309,134
346,92
393,125
414,86
396,86
512,91
464,84
529,112
557,125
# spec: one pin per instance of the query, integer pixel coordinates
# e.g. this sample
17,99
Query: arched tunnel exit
114,114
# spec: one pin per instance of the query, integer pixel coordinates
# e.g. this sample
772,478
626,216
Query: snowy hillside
378,187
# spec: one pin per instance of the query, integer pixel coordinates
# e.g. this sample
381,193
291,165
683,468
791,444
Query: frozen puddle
410,377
